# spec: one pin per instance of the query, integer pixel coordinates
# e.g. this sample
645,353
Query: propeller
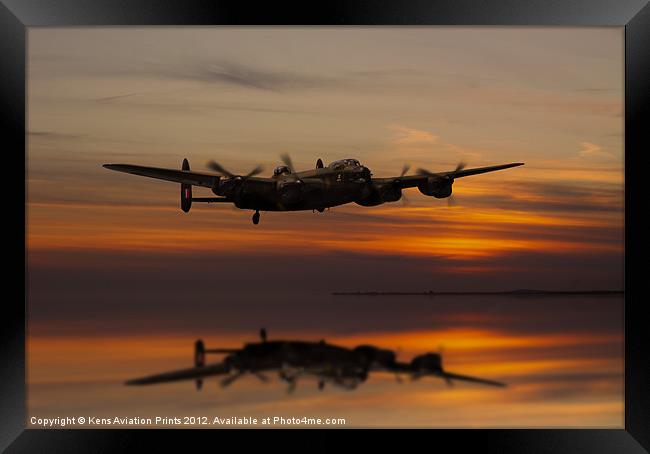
450,176
293,185
441,349
451,200
214,165
287,161
256,171
396,185
461,165
263,334
263,378
398,377
405,200
231,378
289,378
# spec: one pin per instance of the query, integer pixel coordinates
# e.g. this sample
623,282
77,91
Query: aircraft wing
411,181
183,374
450,376
206,180
395,368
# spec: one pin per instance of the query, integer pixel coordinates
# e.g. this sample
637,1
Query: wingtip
116,167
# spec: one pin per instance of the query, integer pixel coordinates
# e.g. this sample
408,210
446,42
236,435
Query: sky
114,262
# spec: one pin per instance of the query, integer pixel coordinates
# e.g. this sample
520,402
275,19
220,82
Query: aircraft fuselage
316,189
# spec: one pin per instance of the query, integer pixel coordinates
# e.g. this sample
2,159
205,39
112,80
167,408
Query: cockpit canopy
279,170
342,163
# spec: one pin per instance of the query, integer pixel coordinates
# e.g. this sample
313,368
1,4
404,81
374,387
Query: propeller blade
263,334
263,378
287,161
451,201
405,169
228,380
256,171
214,165
461,165
292,386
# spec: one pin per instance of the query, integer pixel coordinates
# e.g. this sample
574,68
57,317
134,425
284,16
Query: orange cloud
405,136
592,150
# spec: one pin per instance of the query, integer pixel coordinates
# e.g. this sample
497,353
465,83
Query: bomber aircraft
343,367
341,182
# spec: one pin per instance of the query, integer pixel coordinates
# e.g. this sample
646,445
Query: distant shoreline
522,292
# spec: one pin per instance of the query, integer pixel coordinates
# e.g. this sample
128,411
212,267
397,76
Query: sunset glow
121,282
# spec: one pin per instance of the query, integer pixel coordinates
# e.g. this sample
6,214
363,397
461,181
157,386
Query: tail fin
199,360
186,190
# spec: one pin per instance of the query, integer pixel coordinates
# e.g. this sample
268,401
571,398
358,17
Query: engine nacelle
439,188
382,194
429,362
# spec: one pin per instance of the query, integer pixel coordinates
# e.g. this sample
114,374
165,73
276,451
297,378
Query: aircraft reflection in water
329,364
343,181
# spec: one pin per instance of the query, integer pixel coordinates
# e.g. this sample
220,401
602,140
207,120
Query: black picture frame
634,15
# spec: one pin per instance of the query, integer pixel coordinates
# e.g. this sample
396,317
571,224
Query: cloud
466,153
590,150
113,98
596,90
215,71
419,144
52,135
238,74
411,136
